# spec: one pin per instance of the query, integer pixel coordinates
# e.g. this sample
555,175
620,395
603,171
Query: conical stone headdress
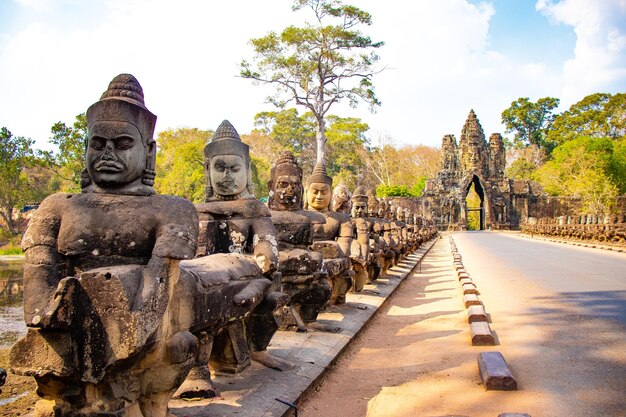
123,101
319,175
359,195
226,141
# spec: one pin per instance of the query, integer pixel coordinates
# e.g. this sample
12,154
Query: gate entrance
475,205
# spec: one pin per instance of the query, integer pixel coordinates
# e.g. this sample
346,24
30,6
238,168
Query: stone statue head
121,153
285,184
359,202
409,216
342,199
382,208
400,214
372,202
319,188
227,166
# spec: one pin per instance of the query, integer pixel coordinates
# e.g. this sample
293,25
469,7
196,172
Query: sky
441,59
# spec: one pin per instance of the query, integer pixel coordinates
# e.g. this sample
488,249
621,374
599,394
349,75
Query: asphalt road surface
558,313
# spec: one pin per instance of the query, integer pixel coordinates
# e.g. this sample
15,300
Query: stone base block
463,275
476,313
469,289
495,373
481,334
466,281
471,300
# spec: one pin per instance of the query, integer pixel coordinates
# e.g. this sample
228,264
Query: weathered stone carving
504,202
334,238
341,199
234,223
302,278
100,273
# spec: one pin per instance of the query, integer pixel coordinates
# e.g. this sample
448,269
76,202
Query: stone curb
495,372
581,243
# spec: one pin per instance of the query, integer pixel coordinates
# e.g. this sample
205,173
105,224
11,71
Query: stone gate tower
474,161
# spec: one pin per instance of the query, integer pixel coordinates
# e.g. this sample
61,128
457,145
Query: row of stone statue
609,229
129,295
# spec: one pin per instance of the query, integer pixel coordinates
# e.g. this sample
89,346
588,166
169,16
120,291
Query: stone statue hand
255,290
266,257
60,309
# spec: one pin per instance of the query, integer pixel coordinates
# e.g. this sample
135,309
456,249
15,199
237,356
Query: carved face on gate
116,154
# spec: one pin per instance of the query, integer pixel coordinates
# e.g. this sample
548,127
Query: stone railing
609,230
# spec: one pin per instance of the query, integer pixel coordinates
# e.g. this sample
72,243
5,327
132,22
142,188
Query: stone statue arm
346,232
44,267
361,228
176,239
265,246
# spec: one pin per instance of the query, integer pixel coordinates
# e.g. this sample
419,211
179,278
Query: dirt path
415,359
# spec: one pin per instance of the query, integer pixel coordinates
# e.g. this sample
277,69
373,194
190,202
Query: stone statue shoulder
73,223
248,208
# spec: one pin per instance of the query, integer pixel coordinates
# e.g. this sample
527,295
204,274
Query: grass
12,247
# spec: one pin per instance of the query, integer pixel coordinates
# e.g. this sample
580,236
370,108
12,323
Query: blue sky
442,58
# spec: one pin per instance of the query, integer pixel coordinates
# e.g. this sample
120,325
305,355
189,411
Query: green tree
15,190
524,162
287,129
583,167
596,115
530,121
69,161
320,64
346,145
180,160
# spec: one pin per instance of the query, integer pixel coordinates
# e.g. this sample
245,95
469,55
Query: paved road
591,279
558,314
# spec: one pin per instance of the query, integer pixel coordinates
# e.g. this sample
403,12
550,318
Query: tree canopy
180,161
16,156
596,115
69,160
318,65
528,121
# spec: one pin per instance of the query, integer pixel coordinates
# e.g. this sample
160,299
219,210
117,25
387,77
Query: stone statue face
116,154
318,195
288,192
229,174
359,209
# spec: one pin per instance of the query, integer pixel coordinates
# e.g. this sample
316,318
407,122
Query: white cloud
600,52
186,56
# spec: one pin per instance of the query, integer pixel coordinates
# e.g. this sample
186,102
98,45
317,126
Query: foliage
392,191
530,121
318,65
524,162
473,201
69,161
12,246
407,166
260,176
15,189
586,168
596,115
180,160
287,129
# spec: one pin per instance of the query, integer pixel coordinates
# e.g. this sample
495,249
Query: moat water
12,325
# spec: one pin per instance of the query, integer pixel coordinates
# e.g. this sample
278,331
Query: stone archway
475,182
